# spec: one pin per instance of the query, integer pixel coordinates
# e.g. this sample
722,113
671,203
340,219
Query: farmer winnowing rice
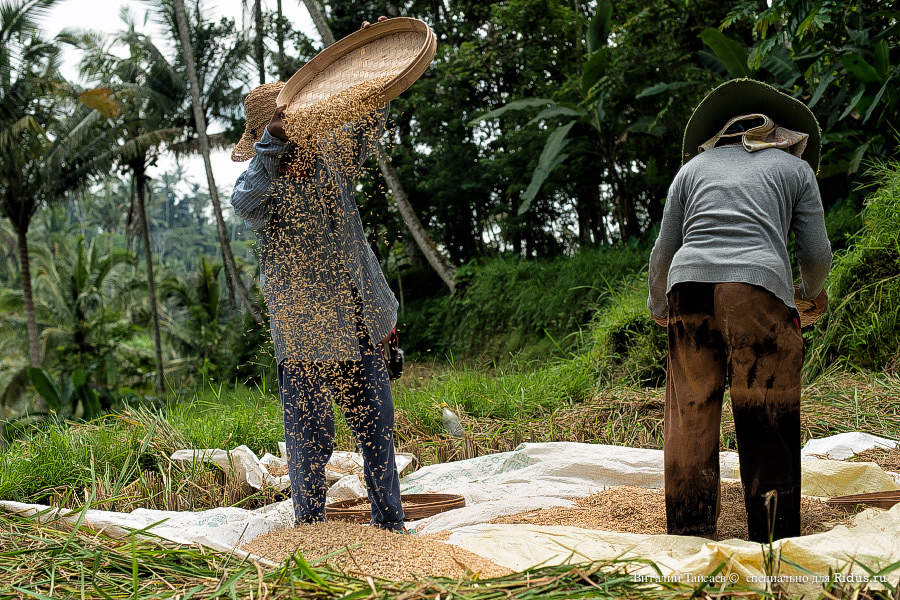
328,300
721,281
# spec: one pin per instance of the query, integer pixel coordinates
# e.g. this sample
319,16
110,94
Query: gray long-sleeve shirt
727,218
312,248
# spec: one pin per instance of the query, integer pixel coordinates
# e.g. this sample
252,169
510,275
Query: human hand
366,24
276,123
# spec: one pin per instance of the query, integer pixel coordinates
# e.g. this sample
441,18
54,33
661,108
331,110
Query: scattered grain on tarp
886,458
641,510
363,550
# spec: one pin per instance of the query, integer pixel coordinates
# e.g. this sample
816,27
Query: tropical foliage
536,152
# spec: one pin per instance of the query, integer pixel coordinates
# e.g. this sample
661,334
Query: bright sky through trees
105,17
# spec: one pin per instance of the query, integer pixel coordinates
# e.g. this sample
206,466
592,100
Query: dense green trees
543,129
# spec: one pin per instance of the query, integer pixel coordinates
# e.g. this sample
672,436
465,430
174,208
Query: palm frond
217,141
139,144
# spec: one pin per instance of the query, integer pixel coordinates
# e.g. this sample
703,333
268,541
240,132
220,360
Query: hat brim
244,150
258,104
743,96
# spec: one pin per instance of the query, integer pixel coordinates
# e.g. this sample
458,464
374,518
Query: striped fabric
313,250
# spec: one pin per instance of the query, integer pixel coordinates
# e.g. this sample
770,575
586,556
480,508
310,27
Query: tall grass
862,329
506,306
122,459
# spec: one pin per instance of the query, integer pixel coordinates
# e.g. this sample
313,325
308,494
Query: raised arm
813,247
667,244
249,196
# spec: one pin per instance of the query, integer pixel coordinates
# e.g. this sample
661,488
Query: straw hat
744,96
259,105
810,310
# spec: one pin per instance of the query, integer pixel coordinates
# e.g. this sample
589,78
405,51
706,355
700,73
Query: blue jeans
362,391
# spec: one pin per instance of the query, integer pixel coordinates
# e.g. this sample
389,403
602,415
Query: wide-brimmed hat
259,105
745,96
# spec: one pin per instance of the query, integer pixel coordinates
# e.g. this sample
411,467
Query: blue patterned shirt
313,249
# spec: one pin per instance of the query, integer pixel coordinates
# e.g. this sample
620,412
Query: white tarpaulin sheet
243,464
844,445
542,475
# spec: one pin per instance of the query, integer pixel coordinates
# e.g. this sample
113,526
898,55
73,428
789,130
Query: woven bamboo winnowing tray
415,506
400,48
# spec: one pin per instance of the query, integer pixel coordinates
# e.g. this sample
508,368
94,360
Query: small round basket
415,506
399,49
810,310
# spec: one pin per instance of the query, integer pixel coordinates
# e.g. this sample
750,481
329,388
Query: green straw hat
744,96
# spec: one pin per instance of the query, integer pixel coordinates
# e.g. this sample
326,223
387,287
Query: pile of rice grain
364,550
641,510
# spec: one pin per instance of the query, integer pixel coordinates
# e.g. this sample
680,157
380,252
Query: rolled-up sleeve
671,234
249,196
813,247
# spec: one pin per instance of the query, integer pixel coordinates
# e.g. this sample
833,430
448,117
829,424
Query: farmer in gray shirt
328,300
720,279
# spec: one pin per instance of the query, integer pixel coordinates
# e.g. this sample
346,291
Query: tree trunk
444,269
627,215
34,346
582,214
140,183
279,33
200,123
318,18
259,42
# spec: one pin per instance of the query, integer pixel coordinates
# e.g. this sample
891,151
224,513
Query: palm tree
318,17
259,41
201,299
140,98
184,39
28,74
80,287
79,292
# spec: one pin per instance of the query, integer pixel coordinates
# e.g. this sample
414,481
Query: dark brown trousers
744,334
